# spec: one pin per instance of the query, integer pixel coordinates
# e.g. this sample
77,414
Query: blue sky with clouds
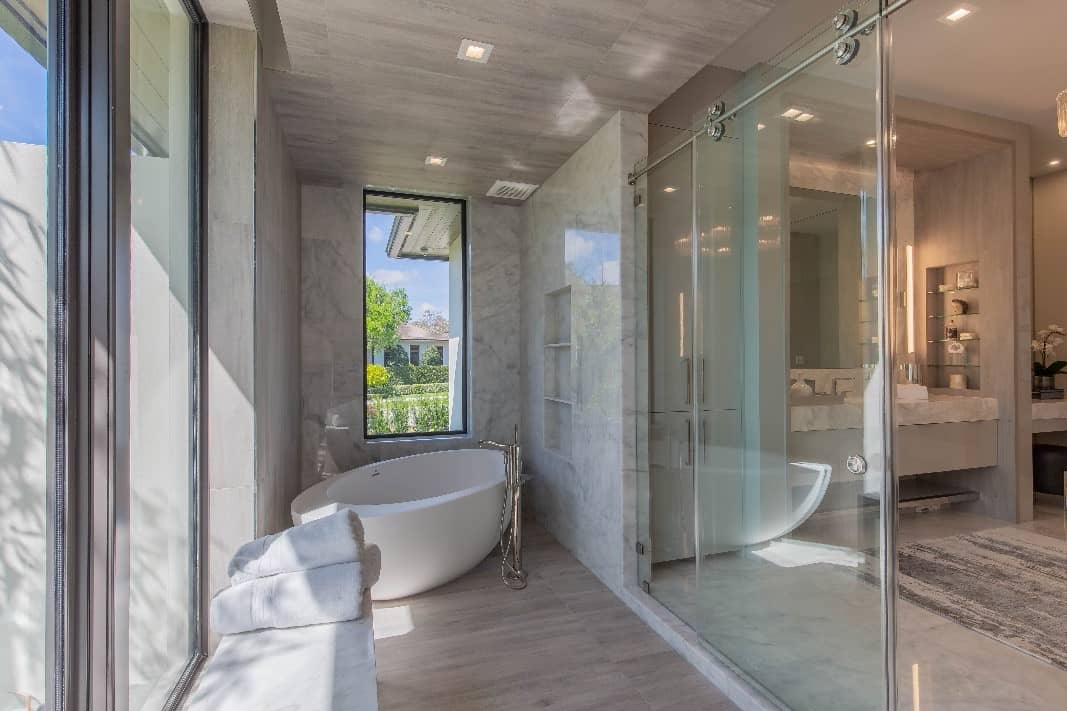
23,95
426,282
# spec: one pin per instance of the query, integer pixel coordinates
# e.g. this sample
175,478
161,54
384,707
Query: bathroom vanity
944,433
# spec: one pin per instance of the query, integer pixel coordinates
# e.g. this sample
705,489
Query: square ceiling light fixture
957,14
798,115
438,161
474,51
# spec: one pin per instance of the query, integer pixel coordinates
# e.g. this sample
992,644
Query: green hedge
420,389
417,374
415,413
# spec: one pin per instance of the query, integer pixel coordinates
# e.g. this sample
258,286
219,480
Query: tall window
163,309
415,306
24,328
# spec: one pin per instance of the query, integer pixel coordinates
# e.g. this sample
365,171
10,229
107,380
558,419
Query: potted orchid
1048,339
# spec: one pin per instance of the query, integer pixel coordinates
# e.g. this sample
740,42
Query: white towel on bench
337,538
309,597
320,668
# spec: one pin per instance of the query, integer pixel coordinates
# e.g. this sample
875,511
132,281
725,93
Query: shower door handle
689,443
687,366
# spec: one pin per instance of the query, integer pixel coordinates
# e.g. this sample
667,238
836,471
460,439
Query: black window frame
89,142
465,363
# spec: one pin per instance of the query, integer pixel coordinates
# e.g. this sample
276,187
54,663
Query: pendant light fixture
1061,113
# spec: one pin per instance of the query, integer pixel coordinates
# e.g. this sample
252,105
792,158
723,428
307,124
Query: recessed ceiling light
760,126
669,189
438,161
805,117
1054,162
791,113
959,13
872,142
474,51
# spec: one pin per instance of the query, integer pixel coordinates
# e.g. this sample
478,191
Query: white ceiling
1008,60
375,85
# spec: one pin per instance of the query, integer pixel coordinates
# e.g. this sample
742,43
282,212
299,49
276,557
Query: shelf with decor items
953,323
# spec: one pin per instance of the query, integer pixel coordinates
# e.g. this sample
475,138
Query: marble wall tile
576,226
331,332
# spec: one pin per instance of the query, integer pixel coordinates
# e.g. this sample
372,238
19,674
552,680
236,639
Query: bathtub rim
315,502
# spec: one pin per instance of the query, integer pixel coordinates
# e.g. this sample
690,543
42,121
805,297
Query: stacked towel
307,575
337,538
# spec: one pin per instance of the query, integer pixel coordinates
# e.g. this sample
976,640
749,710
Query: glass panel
415,306
768,68
789,562
161,355
24,328
670,535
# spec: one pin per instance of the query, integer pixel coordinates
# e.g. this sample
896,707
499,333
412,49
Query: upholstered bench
327,667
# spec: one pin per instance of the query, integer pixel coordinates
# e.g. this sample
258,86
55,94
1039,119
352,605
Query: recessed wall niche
558,383
953,326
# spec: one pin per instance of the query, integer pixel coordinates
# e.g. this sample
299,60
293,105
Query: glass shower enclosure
765,522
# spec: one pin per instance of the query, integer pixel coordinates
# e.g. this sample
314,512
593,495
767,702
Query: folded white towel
337,538
308,597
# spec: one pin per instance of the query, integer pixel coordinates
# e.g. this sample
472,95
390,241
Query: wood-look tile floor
565,642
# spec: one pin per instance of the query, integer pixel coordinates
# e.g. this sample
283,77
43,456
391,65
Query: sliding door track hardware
845,21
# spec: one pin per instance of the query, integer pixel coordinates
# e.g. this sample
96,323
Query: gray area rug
1007,583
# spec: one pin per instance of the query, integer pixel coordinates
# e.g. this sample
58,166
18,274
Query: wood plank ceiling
374,86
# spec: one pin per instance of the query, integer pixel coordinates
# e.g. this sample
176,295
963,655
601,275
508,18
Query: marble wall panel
579,233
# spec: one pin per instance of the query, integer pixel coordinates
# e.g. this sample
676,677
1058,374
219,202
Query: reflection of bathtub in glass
742,514
819,477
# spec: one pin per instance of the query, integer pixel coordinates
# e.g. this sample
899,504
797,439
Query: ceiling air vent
511,191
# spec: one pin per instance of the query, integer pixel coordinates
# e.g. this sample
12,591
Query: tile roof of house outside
418,332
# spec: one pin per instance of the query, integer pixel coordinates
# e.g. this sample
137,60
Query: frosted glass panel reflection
161,355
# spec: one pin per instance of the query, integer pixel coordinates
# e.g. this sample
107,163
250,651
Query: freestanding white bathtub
434,516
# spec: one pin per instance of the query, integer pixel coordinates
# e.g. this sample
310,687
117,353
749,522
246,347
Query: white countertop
938,409
1049,409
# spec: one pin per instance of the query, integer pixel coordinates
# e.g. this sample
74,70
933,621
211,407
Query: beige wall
252,271
1050,254
230,277
277,322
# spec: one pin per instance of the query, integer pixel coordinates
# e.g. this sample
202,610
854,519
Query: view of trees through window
414,307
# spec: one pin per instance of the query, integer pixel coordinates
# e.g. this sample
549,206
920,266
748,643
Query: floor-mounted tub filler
434,516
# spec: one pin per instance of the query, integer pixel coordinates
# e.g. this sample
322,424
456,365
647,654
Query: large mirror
825,282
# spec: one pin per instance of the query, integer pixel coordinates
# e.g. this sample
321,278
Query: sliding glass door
99,353
792,456
767,420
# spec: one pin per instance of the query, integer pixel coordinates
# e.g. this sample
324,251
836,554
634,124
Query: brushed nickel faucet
511,570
